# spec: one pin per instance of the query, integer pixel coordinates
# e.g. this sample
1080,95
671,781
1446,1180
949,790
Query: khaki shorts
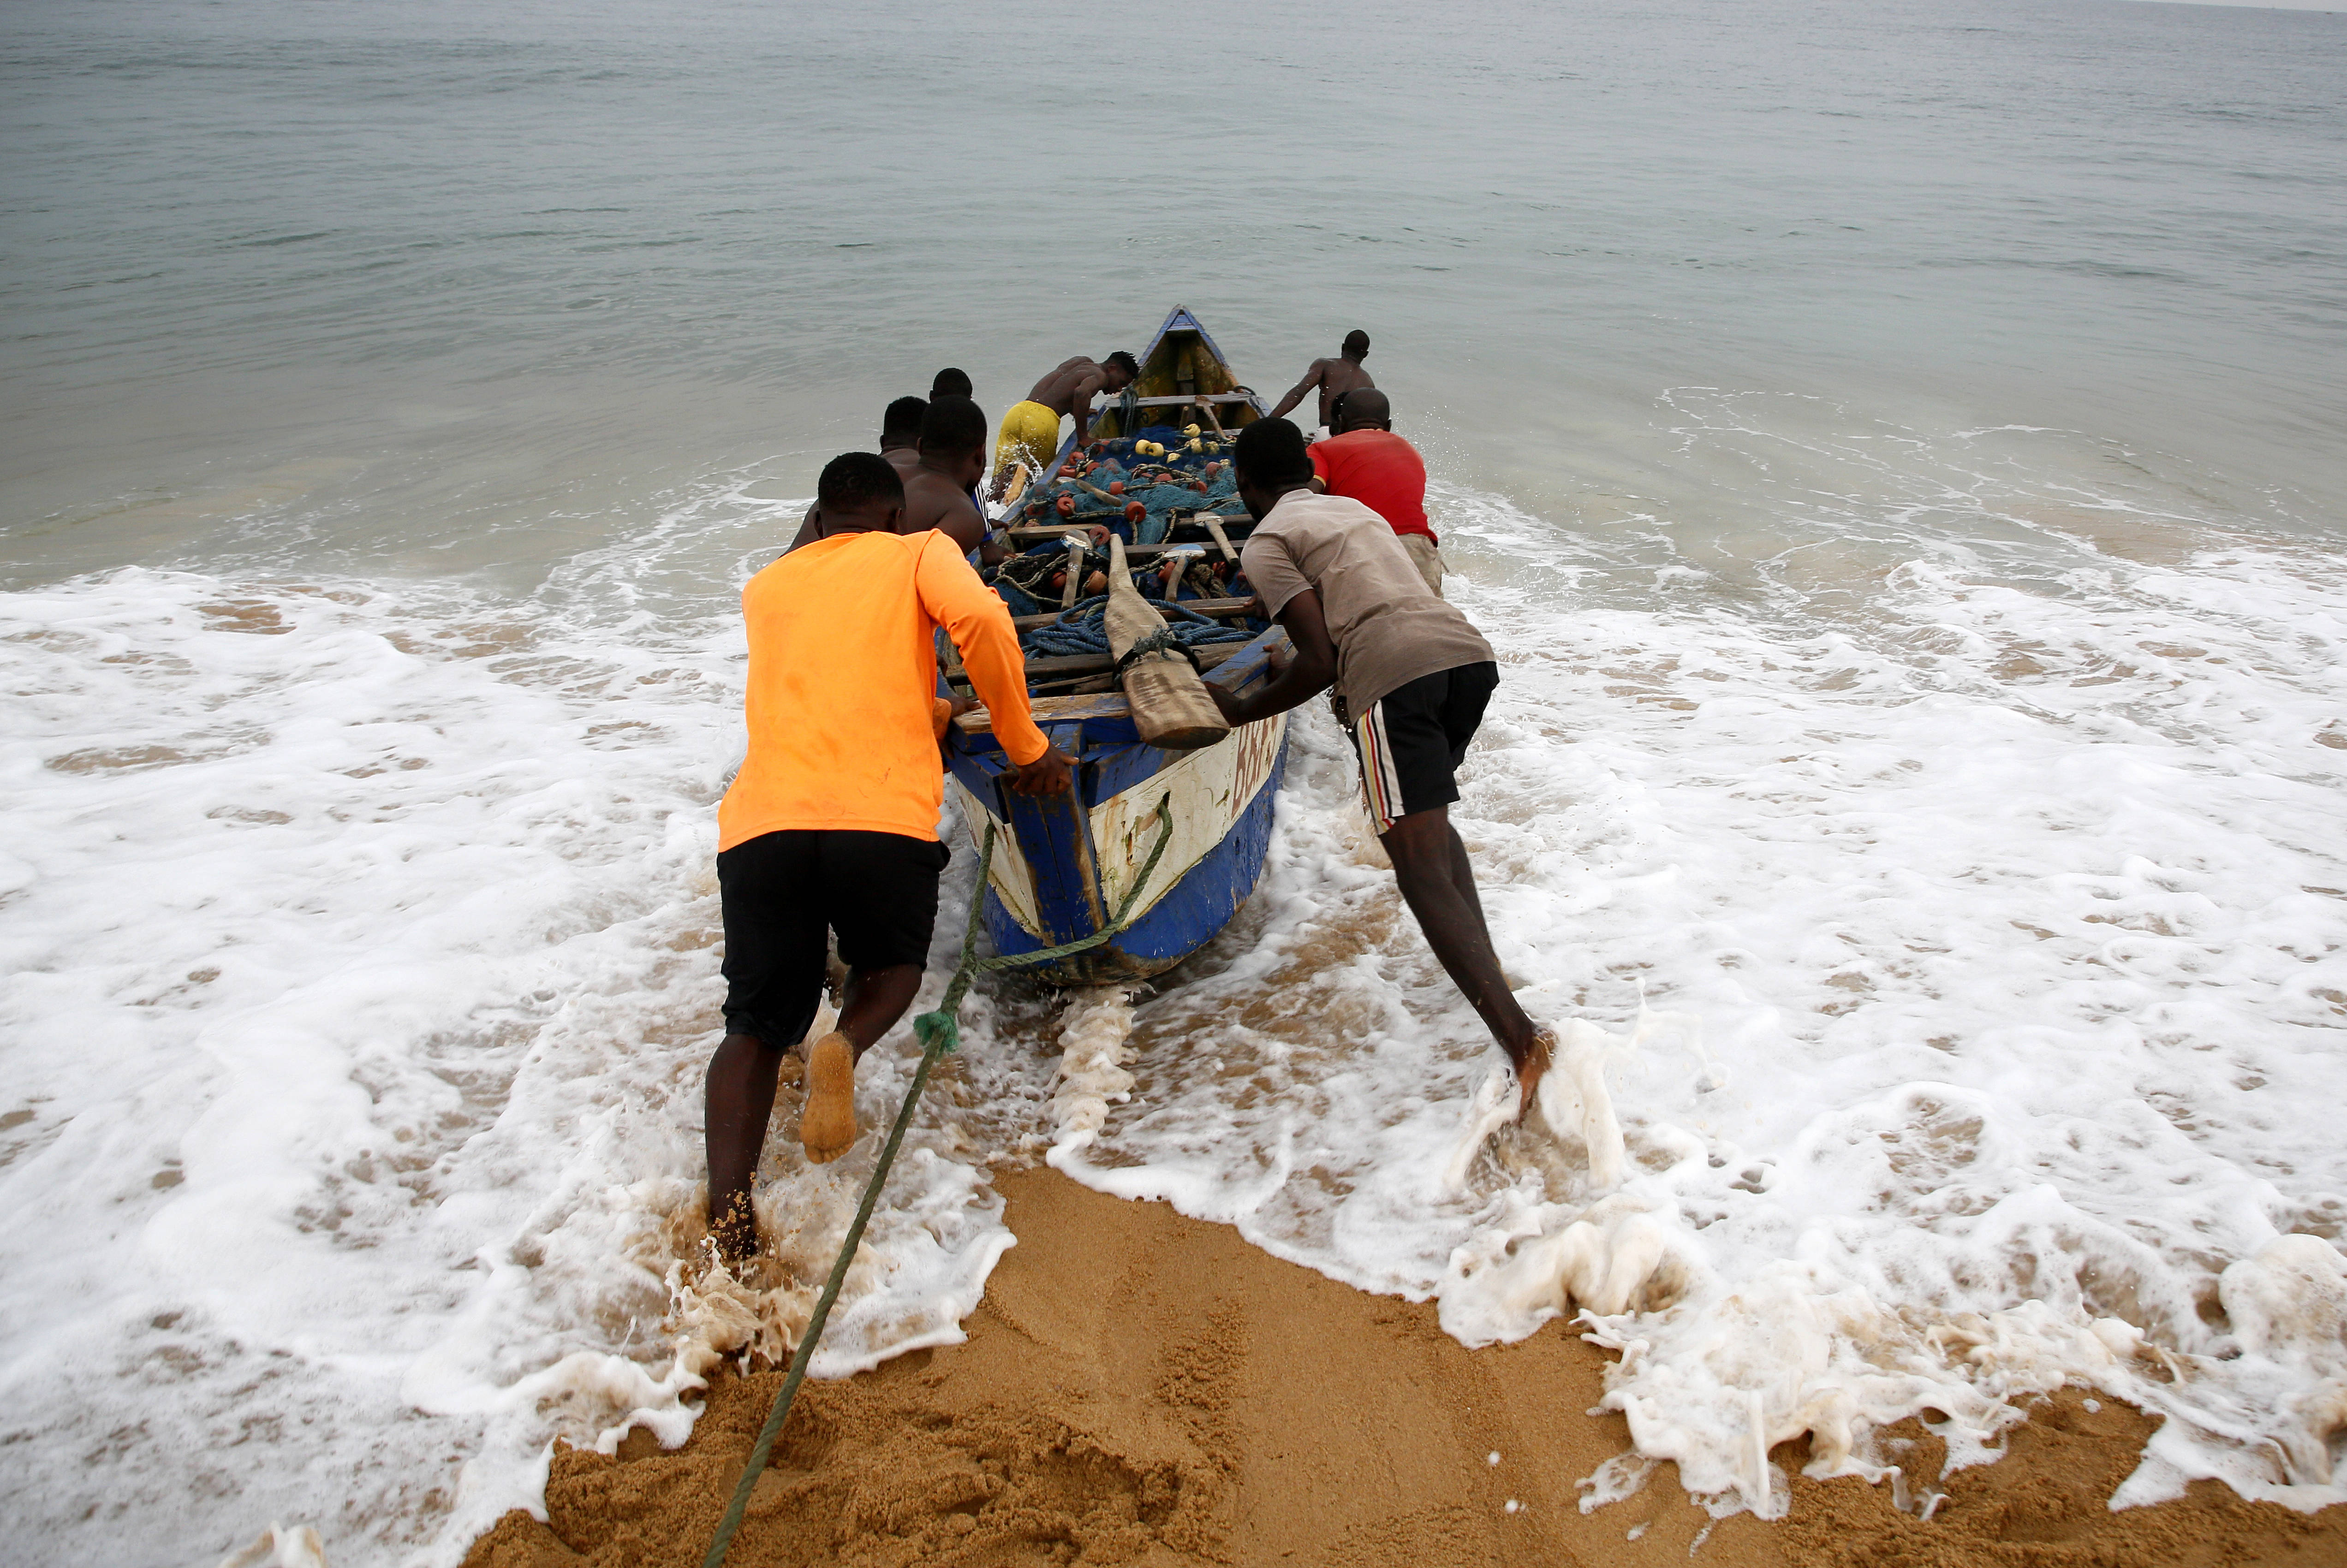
1426,558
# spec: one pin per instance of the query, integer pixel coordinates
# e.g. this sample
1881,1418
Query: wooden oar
1170,704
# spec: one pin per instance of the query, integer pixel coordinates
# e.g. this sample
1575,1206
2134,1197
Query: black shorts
784,892
1412,740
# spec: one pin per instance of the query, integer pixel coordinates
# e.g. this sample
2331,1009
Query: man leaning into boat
1031,430
1412,677
830,827
1335,377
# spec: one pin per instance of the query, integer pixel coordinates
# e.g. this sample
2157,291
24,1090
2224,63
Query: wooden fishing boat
1064,865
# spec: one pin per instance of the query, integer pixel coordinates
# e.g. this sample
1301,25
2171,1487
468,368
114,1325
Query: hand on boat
1047,774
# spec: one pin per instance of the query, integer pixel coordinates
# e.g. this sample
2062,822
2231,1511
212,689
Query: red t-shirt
1381,471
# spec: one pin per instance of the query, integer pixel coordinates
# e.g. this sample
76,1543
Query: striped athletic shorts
1412,740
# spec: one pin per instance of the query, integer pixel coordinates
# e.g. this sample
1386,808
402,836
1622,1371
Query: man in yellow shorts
1031,430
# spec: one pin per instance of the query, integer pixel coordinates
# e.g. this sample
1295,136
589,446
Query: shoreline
1142,1388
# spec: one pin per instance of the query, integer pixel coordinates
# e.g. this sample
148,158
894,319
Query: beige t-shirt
1388,627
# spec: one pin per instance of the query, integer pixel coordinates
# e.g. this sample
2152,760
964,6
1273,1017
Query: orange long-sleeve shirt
842,670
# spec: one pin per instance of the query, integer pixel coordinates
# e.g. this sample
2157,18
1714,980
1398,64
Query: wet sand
1140,1388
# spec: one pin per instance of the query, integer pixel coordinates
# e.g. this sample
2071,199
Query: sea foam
1944,928
1947,944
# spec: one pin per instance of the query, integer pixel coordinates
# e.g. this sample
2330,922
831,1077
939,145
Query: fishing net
1083,628
1165,471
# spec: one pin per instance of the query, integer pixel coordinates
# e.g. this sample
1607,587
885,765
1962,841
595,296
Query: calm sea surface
1898,448
429,287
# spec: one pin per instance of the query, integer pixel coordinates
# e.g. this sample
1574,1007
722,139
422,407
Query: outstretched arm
1312,378
1312,671
980,624
1079,403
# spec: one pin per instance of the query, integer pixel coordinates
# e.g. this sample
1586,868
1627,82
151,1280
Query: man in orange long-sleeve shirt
831,824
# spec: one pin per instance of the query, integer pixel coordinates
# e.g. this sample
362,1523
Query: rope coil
938,1032
1168,642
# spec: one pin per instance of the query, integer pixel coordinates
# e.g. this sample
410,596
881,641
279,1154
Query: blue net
1168,472
1083,628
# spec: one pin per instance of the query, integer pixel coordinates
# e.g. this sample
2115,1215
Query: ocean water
1895,448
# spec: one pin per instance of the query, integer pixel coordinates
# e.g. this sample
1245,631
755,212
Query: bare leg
1439,885
1462,873
739,1097
874,1001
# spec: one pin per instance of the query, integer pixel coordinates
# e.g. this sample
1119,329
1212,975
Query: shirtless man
1031,431
901,433
952,458
1333,377
900,443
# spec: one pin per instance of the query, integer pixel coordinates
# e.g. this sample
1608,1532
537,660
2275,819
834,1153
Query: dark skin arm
1312,378
810,530
1312,671
1079,403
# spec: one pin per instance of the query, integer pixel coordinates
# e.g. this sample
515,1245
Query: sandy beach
1146,1389
1892,450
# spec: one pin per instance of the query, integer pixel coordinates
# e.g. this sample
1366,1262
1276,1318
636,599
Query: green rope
938,1033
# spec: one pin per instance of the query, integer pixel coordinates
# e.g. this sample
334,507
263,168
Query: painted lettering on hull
1206,790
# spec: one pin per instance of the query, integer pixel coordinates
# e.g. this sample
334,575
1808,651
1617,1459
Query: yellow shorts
1031,434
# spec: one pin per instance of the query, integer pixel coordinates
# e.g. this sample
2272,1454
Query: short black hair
953,425
950,383
901,425
1355,341
853,481
1126,363
1271,452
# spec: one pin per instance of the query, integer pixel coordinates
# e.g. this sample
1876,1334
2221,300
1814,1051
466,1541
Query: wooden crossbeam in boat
1177,401
1211,654
1218,609
1027,533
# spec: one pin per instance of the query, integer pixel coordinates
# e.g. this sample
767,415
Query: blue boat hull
1064,864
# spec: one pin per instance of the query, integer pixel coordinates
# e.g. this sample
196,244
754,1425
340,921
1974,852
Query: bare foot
736,1233
1529,1070
827,1119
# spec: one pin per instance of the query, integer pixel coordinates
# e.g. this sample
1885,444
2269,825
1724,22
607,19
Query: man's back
1338,377
842,670
1388,627
934,501
1057,391
1380,470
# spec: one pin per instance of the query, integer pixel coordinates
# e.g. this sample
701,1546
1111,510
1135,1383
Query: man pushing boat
1412,677
1031,430
1367,461
830,827
1335,377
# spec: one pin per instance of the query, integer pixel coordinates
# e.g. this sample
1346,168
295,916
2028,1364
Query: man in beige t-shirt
1412,676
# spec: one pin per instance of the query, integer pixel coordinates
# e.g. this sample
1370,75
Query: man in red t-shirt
1367,462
